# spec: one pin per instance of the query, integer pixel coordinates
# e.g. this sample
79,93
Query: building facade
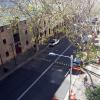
14,40
16,37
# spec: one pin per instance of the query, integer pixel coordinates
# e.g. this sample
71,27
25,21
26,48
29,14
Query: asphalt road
40,78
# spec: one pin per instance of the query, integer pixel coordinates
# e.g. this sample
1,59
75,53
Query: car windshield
52,41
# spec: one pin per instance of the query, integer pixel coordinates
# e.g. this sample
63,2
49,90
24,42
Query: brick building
16,36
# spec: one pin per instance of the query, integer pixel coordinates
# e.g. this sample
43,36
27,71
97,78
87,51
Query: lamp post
71,65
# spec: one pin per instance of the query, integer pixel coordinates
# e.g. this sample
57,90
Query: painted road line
44,59
67,74
61,63
21,96
48,60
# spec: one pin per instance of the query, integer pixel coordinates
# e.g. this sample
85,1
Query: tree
93,94
30,11
71,12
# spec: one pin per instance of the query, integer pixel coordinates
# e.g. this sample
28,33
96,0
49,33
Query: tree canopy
93,94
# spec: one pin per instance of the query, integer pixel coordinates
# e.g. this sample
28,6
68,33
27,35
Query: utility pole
71,65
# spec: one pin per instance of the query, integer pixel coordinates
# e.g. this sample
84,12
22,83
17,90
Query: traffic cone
72,95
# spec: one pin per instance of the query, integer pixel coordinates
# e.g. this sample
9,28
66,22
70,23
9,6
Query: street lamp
71,65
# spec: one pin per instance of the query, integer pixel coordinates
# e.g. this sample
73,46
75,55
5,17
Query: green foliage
46,8
93,94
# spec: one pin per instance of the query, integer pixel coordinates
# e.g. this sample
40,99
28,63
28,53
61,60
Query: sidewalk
79,88
77,85
63,91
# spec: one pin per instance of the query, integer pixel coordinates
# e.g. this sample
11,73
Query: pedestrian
85,79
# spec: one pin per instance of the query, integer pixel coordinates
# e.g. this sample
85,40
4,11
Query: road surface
39,78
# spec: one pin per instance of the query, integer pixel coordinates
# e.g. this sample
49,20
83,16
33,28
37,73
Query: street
40,78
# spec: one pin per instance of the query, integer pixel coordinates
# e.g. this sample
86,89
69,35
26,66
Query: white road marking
66,74
44,59
20,97
48,60
59,70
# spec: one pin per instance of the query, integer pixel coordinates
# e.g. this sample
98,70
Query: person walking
85,80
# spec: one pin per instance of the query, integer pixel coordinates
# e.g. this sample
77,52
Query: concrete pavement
63,91
78,86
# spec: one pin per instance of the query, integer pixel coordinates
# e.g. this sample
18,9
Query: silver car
53,42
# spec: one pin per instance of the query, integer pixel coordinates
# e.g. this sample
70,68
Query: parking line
21,96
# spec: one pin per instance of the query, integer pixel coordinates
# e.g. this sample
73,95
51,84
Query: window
7,54
45,32
17,27
49,30
27,42
49,21
53,29
25,31
41,34
98,32
57,26
44,23
18,48
16,37
4,41
2,29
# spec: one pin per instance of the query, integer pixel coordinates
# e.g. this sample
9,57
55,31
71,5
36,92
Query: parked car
77,64
77,70
53,42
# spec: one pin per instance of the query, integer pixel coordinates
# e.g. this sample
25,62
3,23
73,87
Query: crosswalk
57,62
62,63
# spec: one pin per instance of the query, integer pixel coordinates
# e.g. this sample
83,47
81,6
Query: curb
17,67
74,78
